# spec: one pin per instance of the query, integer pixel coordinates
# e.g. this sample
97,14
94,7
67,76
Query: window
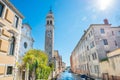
94,56
92,44
47,22
50,53
12,46
119,32
96,69
25,45
107,51
90,69
86,38
91,32
22,27
105,41
51,22
115,43
1,9
9,70
112,32
102,31
89,58
16,21
87,47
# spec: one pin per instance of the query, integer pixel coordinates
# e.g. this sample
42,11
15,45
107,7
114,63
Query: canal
68,76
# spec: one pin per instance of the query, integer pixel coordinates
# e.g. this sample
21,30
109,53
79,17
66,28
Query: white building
97,41
26,43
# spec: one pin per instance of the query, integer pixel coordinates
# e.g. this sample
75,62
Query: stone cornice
7,2
30,38
1,24
27,25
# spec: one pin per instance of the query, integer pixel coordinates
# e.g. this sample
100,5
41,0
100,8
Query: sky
72,17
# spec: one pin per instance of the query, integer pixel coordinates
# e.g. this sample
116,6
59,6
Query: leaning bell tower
49,35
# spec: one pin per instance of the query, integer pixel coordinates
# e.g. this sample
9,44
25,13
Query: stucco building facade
58,62
110,67
96,42
26,43
63,66
10,29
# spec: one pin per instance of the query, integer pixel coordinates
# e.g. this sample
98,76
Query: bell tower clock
49,35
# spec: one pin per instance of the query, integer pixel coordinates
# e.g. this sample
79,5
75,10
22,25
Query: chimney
106,21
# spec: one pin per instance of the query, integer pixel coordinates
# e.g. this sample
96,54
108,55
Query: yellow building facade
110,68
58,62
10,26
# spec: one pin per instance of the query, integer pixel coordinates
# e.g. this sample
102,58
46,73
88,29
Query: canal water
68,76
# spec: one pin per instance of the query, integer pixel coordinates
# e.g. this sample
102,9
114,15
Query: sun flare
104,4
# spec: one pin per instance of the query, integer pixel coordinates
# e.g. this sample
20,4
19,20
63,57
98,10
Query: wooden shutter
2,70
4,45
9,16
5,33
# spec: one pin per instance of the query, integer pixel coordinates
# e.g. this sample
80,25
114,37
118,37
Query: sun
104,4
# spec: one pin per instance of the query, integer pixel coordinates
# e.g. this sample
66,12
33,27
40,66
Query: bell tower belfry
49,35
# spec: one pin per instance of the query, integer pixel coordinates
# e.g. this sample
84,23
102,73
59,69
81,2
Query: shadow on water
68,76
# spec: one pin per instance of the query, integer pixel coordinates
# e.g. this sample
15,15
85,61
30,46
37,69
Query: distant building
58,62
110,67
10,27
74,62
26,43
96,42
63,66
57,59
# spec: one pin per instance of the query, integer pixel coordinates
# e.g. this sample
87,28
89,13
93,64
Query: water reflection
68,76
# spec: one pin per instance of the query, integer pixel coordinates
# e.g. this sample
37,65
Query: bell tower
49,35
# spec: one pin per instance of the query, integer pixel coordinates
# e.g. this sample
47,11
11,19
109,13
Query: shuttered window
6,33
4,45
9,16
2,70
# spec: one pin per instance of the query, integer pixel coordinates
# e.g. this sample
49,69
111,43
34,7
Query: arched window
50,21
12,46
47,22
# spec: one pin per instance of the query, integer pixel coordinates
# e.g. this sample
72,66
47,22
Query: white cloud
94,17
84,18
